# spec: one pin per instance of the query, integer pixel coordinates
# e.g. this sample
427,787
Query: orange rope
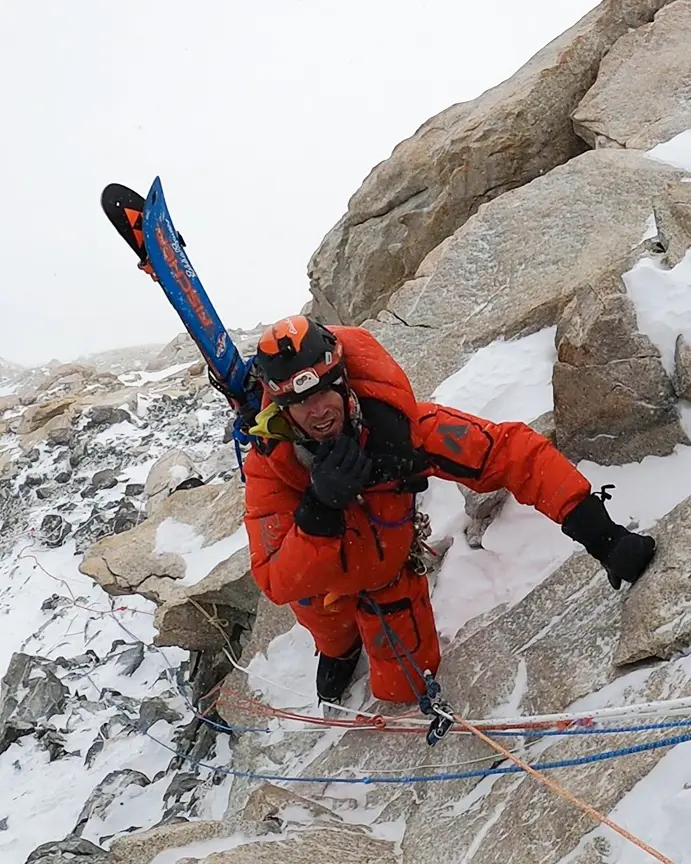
559,790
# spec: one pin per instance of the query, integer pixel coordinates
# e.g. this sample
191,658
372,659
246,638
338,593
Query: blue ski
177,277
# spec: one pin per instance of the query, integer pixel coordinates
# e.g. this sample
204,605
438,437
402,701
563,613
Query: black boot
623,554
334,673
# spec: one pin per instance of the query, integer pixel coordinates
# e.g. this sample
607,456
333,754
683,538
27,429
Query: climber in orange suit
343,448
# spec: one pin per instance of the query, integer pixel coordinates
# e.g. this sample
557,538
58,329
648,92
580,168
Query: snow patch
662,299
506,380
173,536
136,379
675,152
650,232
289,658
204,416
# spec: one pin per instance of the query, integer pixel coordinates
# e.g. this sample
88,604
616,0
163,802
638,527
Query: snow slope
49,609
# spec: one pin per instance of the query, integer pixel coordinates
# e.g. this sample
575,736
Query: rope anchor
433,704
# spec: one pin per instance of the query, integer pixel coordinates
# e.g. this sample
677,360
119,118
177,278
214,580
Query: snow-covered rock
167,473
68,851
191,549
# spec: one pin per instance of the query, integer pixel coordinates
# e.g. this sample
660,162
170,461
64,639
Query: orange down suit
370,555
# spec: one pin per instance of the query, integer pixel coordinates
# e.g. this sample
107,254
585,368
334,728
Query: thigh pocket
397,619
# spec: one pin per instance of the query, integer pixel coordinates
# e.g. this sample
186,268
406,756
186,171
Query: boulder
682,368
31,694
108,380
143,847
71,850
641,95
513,267
106,794
106,415
313,844
613,401
127,517
57,431
103,479
181,349
468,154
72,375
673,219
482,508
196,369
655,620
227,595
166,474
189,549
8,403
97,525
54,529
222,462
125,398
37,416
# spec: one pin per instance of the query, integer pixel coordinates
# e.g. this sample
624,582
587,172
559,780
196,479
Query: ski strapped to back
147,227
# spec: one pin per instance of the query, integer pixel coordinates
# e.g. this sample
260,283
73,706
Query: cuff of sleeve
315,518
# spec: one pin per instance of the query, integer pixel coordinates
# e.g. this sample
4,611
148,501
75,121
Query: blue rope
648,727
433,778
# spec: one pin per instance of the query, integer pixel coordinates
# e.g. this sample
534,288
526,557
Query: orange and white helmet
296,357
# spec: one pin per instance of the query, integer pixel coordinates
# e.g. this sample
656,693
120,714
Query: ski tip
115,195
155,190
109,191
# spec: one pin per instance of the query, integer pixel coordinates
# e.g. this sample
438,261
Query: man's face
321,416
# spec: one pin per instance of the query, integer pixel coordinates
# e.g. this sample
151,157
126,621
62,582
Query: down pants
406,607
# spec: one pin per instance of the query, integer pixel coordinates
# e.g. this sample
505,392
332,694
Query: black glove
623,554
339,473
340,470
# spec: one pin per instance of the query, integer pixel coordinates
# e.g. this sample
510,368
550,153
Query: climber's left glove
624,554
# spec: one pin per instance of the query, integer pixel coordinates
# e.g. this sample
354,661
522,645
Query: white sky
262,119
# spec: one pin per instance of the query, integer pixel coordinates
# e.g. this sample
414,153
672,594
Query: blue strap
238,456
